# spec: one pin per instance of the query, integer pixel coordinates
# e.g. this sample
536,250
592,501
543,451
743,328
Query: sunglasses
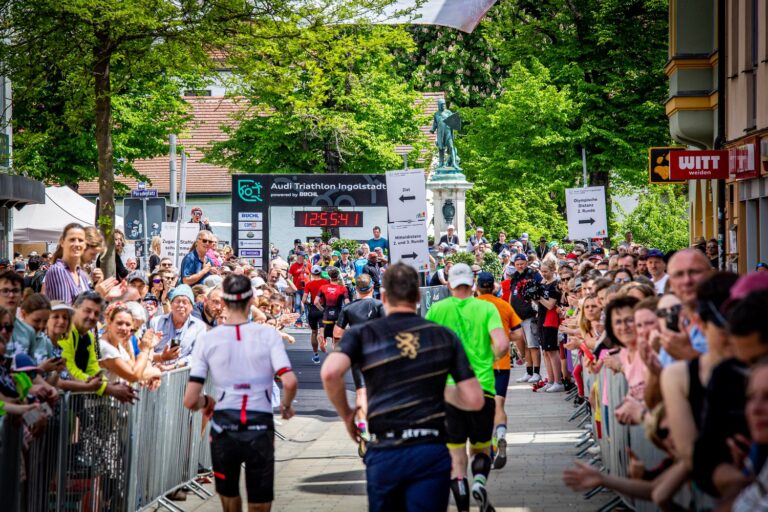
206,241
6,327
157,281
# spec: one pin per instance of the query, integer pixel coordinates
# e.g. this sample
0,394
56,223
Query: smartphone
175,342
673,320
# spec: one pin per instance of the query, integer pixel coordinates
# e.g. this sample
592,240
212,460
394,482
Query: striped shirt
60,285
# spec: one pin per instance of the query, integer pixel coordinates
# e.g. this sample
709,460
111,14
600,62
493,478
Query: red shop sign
743,161
698,165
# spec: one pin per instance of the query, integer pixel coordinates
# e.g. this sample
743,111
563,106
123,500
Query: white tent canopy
464,15
45,222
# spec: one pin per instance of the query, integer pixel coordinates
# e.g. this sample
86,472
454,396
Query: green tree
96,55
611,55
518,151
660,219
330,99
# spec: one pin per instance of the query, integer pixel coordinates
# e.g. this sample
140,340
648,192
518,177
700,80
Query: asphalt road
311,399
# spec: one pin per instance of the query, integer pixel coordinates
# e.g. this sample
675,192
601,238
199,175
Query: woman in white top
116,354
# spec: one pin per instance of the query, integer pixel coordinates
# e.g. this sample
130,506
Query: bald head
686,269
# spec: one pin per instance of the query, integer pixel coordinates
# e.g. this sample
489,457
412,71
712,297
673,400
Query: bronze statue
444,123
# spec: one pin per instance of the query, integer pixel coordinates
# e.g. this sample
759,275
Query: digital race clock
332,219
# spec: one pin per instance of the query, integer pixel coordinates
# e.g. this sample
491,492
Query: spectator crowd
689,339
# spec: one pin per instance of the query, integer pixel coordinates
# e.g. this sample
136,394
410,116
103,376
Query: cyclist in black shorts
242,358
314,315
406,360
362,310
330,299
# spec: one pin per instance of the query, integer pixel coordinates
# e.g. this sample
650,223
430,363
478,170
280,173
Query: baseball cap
752,282
524,236
379,249
654,253
301,253
761,265
33,253
58,305
257,282
460,274
19,266
5,261
542,239
336,253
345,251
535,264
297,241
150,297
137,274
520,257
479,228
561,251
440,255
316,270
485,280
183,290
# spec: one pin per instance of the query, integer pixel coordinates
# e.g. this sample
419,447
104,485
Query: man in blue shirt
196,265
378,241
179,329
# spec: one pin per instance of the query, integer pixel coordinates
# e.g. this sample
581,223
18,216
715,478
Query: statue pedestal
449,187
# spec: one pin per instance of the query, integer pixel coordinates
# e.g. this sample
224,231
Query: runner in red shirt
299,270
314,314
331,298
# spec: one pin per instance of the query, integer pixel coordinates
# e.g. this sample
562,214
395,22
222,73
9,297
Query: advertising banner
699,165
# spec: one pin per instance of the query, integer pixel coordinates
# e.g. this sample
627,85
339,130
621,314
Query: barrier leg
589,494
199,490
165,503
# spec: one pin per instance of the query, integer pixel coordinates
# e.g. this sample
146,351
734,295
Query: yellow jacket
69,346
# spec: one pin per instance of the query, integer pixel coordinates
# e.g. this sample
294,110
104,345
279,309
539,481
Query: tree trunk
103,90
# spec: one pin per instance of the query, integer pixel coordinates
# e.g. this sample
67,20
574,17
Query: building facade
718,79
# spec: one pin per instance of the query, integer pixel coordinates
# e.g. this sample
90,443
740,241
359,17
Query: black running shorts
314,317
477,426
502,382
549,339
255,449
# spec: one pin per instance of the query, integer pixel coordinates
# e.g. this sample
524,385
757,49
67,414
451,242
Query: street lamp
449,211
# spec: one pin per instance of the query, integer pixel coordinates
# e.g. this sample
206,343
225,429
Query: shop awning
17,191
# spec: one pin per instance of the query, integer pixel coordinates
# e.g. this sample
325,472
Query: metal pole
405,161
182,202
584,182
144,258
172,166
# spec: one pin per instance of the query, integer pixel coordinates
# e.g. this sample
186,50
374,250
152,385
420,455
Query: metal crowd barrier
97,454
615,439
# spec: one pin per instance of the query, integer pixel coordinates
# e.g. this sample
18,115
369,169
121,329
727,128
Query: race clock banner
275,209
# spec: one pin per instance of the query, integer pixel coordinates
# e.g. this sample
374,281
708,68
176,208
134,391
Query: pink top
634,372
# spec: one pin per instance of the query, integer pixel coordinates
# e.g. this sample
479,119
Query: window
733,40
750,69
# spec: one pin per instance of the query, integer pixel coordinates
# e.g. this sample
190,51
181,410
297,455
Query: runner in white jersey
242,359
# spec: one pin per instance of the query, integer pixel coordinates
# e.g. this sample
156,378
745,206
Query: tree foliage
660,219
330,99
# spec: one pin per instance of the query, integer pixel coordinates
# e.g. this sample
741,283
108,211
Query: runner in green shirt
478,325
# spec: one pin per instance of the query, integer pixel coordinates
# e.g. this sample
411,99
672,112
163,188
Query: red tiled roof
208,115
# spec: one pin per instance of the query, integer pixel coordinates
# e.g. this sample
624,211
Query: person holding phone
179,330
116,355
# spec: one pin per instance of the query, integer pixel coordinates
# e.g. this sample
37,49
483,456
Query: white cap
451,226
461,274
257,282
524,236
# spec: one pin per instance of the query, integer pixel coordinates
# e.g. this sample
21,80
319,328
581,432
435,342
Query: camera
532,290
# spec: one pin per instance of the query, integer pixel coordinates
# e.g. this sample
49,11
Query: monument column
449,200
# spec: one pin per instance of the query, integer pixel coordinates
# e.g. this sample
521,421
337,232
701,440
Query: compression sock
501,431
481,466
460,490
529,370
536,369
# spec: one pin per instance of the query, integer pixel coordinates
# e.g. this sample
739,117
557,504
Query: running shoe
534,378
316,358
555,388
524,378
501,454
481,497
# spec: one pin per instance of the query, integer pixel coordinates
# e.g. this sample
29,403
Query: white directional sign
408,244
585,208
406,195
188,235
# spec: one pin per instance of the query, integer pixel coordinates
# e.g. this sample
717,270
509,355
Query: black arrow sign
411,256
407,198
587,221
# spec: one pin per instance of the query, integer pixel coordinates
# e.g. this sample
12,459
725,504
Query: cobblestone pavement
317,467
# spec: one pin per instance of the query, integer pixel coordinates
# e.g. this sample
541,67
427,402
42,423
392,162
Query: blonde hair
585,324
155,246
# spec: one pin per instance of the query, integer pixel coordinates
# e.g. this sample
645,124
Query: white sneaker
524,378
534,378
547,386
556,387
